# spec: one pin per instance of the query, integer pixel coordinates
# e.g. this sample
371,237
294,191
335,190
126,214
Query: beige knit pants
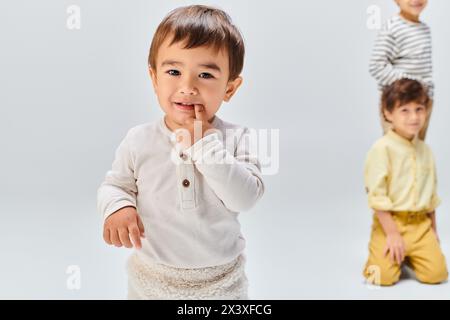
148,280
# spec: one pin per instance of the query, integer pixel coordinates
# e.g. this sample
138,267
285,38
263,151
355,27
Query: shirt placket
186,182
414,172
185,177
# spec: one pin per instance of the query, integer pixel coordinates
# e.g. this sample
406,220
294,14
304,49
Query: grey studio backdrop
68,97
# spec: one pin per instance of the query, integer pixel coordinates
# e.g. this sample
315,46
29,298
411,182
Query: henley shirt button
183,156
186,183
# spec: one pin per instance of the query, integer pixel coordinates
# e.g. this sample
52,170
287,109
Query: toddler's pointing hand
122,225
194,128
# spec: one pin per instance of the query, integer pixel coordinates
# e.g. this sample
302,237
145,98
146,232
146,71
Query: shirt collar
171,134
401,18
395,136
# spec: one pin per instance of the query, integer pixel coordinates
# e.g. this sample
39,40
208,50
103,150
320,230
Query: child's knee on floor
381,275
436,275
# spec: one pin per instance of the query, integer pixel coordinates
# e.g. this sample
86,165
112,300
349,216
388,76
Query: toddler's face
408,119
187,77
412,7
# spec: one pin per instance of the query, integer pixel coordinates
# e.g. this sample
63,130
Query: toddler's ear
152,73
387,115
232,87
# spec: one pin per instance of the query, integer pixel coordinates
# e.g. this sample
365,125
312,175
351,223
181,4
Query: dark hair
201,26
402,92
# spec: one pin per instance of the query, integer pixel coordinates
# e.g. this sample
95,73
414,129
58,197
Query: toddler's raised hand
186,135
122,225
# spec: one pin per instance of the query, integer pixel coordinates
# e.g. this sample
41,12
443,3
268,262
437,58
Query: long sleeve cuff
112,198
435,202
380,203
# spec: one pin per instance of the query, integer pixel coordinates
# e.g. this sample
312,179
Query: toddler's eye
173,72
206,75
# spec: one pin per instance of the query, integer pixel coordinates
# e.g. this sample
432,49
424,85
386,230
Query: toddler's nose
187,87
188,91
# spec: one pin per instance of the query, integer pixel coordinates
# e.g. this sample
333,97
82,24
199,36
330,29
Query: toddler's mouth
417,6
184,106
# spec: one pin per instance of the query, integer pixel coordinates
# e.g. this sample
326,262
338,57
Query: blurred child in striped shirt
403,50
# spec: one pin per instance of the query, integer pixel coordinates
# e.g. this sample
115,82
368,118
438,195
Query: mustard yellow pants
423,251
386,125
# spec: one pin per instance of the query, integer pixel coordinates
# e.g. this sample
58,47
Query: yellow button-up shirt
400,175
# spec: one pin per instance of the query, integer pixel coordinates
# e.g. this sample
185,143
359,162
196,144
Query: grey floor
289,261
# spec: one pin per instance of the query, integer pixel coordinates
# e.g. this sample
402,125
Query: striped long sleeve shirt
402,50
